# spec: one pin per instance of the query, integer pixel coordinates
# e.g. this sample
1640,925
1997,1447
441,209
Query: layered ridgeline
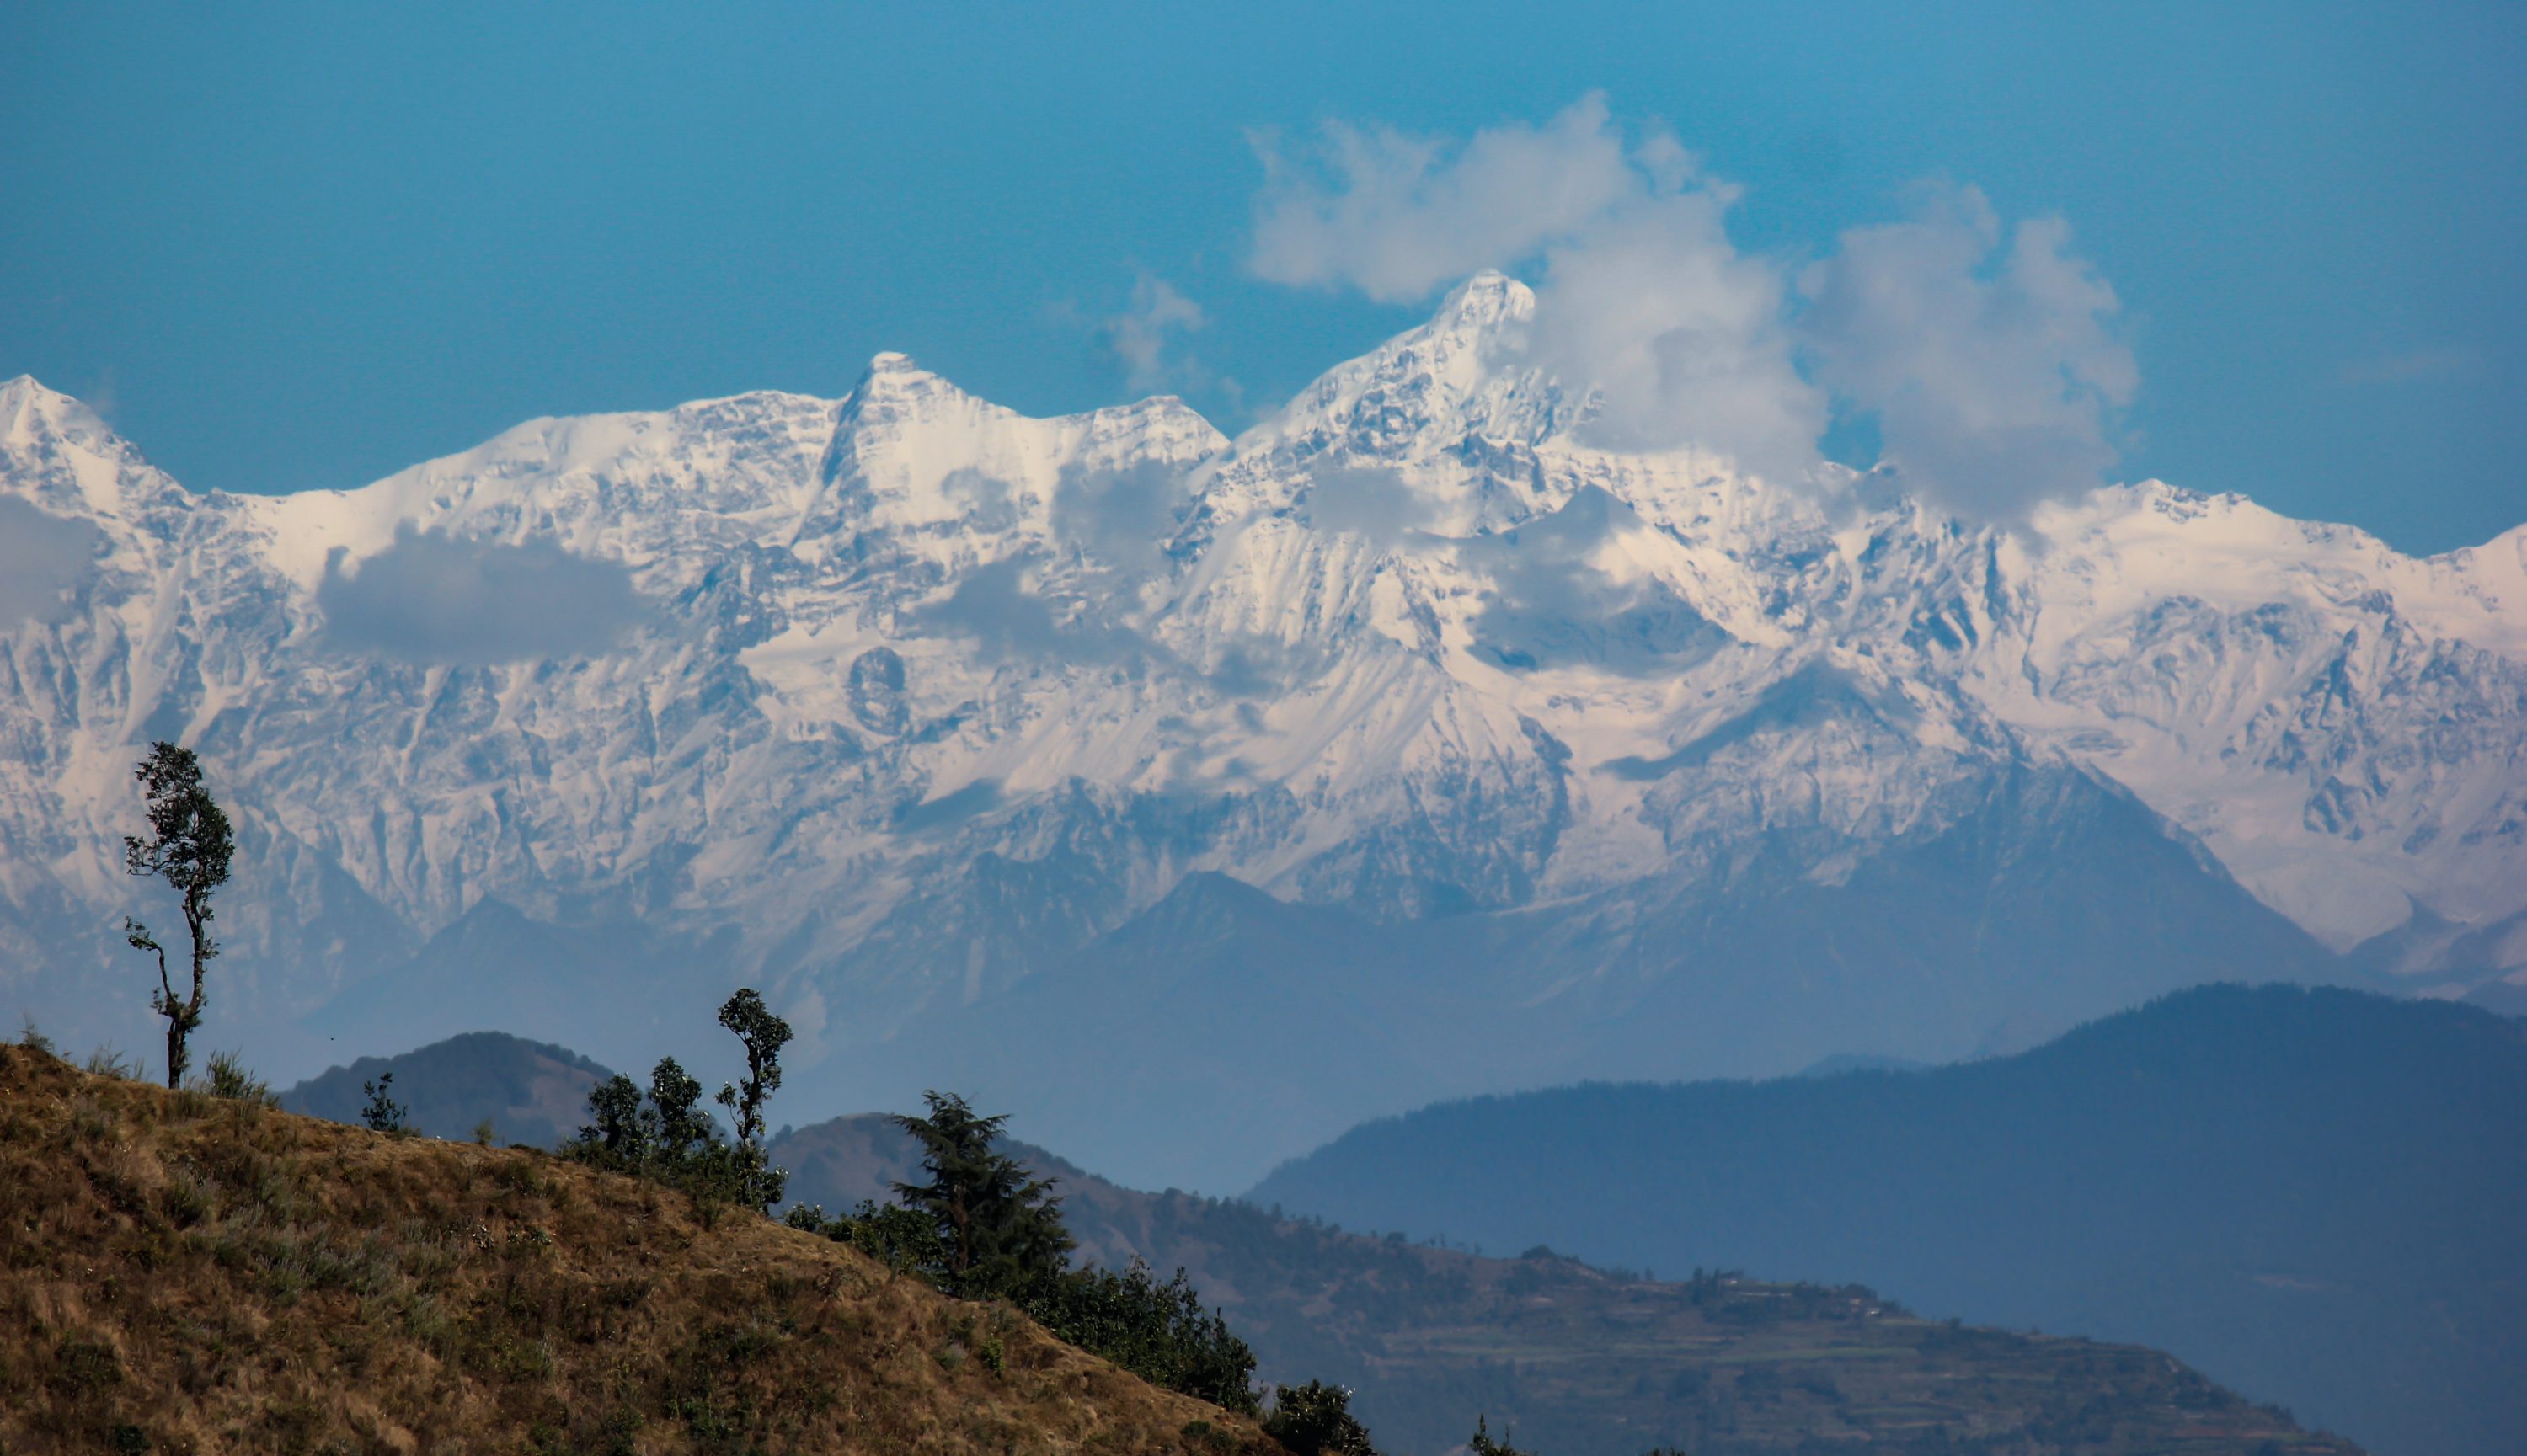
2313,1197
1577,761
1577,1361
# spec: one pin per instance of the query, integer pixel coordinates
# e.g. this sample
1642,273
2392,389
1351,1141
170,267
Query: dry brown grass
181,1273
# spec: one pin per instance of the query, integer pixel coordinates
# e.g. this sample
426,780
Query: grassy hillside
532,1092
2315,1196
1585,1363
186,1274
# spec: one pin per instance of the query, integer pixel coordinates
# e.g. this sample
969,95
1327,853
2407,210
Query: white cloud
435,598
1397,215
1150,336
41,558
1640,294
1680,334
1993,370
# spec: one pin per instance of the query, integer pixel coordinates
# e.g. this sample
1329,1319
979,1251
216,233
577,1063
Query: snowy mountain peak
1452,408
902,695
1462,375
30,413
62,456
1482,306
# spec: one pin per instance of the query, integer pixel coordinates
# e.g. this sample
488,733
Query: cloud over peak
1985,353
1397,215
1150,336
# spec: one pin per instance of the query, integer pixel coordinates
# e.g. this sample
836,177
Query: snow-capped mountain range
912,698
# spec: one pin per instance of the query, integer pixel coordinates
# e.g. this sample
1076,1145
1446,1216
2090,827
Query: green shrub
382,1114
1157,1332
227,1076
1315,1419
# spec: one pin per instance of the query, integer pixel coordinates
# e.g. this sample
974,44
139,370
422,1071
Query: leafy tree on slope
760,1185
190,846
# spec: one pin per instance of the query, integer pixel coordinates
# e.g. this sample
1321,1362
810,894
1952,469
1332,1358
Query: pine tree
1315,1419
1001,1225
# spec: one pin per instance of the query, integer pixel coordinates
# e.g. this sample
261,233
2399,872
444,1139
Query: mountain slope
187,1274
889,704
2313,1196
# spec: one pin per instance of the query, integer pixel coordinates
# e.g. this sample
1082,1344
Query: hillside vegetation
1582,1362
2313,1197
193,1274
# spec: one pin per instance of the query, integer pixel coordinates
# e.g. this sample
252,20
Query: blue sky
303,246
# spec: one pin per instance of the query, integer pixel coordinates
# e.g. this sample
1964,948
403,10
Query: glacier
1409,744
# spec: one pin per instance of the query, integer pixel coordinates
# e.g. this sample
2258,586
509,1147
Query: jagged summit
29,411
1455,377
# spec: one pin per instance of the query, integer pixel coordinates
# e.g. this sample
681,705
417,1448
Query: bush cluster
665,1136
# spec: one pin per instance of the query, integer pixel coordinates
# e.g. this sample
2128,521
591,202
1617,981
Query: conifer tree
1001,1225
1315,1419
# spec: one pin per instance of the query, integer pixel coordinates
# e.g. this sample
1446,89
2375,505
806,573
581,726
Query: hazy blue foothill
528,1093
2315,1195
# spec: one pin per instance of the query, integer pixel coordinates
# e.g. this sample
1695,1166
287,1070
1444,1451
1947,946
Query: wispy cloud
1152,336
1641,294
1986,354
995,608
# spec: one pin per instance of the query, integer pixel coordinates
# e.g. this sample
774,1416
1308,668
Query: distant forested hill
2318,1196
532,1091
